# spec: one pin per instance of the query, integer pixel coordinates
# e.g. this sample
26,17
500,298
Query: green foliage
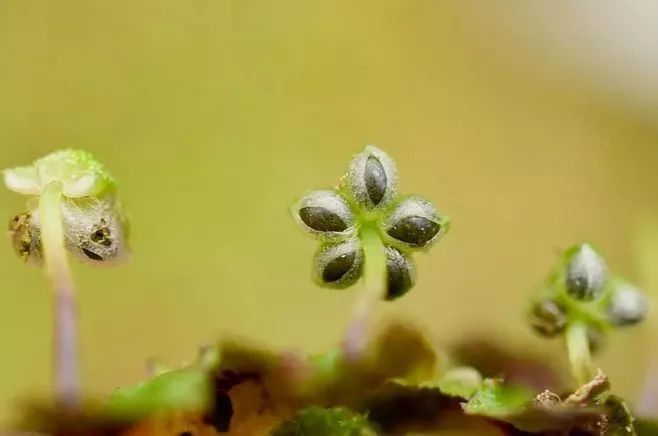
184,389
461,382
494,399
317,421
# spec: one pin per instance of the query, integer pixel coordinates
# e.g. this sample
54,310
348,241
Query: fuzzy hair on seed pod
415,223
325,214
548,318
338,265
401,273
25,237
372,178
95,230
586,273
627,306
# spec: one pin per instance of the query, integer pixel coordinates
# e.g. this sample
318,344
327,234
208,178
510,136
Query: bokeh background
533,125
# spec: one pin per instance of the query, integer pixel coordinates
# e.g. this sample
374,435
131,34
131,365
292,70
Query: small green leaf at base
317,421
462,382
494,399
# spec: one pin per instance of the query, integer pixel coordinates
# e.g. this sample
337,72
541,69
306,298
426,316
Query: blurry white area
609,45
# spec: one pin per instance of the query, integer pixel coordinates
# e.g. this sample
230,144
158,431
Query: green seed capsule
372,178
548,318
339,265
627,306
586,274
325,214
400,274
375,179
415,223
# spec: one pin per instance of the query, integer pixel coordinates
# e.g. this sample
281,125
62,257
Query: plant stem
374,275
65,316
579,353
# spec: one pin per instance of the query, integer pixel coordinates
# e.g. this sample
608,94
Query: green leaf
462,382
646,427
182,389
494,399
188,388
316,421
619,420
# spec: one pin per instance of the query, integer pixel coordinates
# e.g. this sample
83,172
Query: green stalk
374,289
59,273
579,353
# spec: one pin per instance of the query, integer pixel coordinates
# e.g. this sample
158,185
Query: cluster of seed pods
367,198
95,227
581,290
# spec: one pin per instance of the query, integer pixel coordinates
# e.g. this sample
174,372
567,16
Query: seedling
366,229
72,208
581,302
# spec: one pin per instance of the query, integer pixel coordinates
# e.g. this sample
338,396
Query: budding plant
582,303
392,382
72,209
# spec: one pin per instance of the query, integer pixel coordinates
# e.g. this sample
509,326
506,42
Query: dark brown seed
321,219
414,230
548,318
338,267
399,275
91,255
102,236
375,178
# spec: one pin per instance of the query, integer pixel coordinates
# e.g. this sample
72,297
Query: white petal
83,186
22,180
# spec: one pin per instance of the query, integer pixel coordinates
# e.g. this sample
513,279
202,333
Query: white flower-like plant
73,208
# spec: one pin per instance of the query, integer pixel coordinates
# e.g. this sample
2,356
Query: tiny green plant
366,229
72,208
582,302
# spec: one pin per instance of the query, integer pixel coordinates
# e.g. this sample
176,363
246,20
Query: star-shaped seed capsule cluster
367,198
581,290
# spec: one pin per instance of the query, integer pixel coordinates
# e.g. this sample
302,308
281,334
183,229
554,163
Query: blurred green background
215,115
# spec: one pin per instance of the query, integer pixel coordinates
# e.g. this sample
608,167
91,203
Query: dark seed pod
586,273
25,237
415,223
325,214
94,231
627,306
372,178
548,318
339,265
400,274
